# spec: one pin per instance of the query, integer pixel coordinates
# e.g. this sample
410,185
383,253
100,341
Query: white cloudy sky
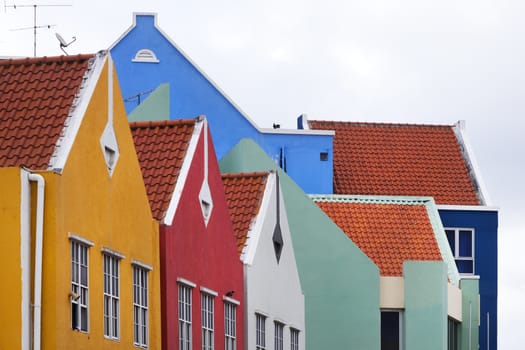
416,61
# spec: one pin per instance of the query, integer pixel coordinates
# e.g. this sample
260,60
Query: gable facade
273,289
191,92
73,227
201,271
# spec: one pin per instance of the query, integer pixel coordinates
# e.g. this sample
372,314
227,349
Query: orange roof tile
36,97
388,233
400,159
161,147
244,193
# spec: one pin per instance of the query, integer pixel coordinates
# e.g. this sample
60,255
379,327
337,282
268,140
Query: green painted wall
426,305
469,332
155,107
340,283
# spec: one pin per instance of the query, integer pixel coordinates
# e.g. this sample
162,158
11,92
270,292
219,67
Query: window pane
390,330
465,266
465,243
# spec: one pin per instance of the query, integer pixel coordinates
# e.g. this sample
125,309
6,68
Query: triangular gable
391,230
42,107
165,150
403,159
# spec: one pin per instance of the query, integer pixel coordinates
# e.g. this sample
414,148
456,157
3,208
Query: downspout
39,233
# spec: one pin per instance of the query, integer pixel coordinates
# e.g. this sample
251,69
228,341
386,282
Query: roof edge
255,231
372,199
184,171
77,111
471,163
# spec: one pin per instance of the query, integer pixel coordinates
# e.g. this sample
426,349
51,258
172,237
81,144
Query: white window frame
230,326
260,331
184,314
278,335
140,306
294,338
455,249
207,314
111,295
79,291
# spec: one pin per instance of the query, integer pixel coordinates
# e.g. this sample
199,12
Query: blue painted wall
485,225
192,94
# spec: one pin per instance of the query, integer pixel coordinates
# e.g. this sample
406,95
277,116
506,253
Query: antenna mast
35,27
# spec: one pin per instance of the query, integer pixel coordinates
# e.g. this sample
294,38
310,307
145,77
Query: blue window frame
461,242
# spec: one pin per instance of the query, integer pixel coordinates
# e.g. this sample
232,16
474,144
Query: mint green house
340,283
359,299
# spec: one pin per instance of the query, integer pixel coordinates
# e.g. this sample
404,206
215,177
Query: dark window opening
277,241
390,330
323,156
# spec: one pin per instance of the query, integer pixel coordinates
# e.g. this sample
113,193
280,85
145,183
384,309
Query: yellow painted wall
11,289
112,212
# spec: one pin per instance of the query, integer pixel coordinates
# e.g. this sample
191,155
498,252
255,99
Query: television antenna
34,27
63,43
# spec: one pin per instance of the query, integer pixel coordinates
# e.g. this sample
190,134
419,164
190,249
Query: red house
201,274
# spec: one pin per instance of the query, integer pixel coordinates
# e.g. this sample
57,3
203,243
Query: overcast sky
413,61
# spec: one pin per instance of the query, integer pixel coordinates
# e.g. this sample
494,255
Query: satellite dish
63,43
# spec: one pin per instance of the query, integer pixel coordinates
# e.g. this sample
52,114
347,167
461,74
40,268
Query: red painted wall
204,255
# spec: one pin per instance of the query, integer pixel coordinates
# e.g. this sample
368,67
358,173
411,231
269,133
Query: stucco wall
10,241
85,201
340,283
273,288
191,93
485,225
425,305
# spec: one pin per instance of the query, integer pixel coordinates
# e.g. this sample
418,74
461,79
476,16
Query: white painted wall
272,288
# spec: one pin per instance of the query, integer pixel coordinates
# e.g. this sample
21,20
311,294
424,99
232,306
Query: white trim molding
74,237
231,300
141,264
209,291
186,282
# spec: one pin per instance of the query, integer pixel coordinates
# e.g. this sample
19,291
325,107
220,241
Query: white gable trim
261,130
256,227
184,170
78,111
472,164
467,207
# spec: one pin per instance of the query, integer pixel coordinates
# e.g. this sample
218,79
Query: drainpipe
39,233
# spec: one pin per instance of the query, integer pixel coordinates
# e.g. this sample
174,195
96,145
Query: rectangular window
461,241
229,326
79,286
111,296
207,321
391,330
453,337
278,336
140,306
184,317
260,332
294,339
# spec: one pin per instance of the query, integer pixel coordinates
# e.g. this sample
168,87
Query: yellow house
79,244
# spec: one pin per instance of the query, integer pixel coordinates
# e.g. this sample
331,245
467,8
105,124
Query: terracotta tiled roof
244,193
36,96
389,233
400,159
161,147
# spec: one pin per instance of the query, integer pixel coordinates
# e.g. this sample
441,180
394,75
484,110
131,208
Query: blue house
159,81
427,160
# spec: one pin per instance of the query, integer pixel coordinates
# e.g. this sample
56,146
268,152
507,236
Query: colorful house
424,304
339,282
427,160
159,81
81,270
274,310
201,274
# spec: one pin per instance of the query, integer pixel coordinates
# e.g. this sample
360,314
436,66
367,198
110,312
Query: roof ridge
45,59
162,123
384,124
401,200
246,174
